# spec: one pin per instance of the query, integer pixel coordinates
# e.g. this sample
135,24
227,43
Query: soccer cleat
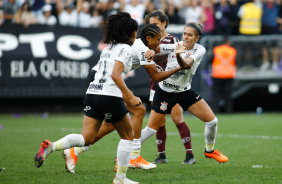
71,160
217,155
141,163
124,180
161,159
116,164
189,159
44,150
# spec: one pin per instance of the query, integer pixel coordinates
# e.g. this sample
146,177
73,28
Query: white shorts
152,94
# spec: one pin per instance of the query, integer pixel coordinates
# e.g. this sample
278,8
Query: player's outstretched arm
157,75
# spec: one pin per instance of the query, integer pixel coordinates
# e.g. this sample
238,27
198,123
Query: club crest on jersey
163,106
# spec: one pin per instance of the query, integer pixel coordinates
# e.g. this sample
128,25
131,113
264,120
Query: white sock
136,147
123,153
79,150
146,133
69,141
210,134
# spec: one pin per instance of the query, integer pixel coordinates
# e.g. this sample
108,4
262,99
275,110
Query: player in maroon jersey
159,18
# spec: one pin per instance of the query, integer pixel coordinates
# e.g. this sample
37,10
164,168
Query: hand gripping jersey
103,83
168,39
180,81
138,54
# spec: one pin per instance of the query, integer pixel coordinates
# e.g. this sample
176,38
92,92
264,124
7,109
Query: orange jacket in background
224,62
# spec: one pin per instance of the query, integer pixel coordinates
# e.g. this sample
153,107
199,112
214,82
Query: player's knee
213,122
128,135
140,111
177,119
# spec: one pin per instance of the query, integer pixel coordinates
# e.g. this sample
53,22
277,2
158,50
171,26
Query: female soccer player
177,89
159,18
150,36
103,99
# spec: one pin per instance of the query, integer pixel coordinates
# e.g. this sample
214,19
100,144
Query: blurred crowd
219,17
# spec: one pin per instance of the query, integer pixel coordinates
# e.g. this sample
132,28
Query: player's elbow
114,76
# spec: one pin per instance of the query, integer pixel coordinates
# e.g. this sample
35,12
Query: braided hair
198,28
160,14
119,28
149,30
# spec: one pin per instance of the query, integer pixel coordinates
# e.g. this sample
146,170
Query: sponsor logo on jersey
168,50
96,86
179,73
87,108
143,56
185,140
166,40
108,115
197,97
168,85
163,106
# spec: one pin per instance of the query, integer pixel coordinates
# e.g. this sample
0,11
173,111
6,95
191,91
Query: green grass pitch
252,143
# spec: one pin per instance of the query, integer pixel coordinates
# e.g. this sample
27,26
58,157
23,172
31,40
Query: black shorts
164,101
101,107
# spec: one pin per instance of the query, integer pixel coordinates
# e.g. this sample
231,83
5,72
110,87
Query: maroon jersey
168,39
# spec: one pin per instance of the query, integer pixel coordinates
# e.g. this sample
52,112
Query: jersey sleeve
199,53
141,55
124,54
